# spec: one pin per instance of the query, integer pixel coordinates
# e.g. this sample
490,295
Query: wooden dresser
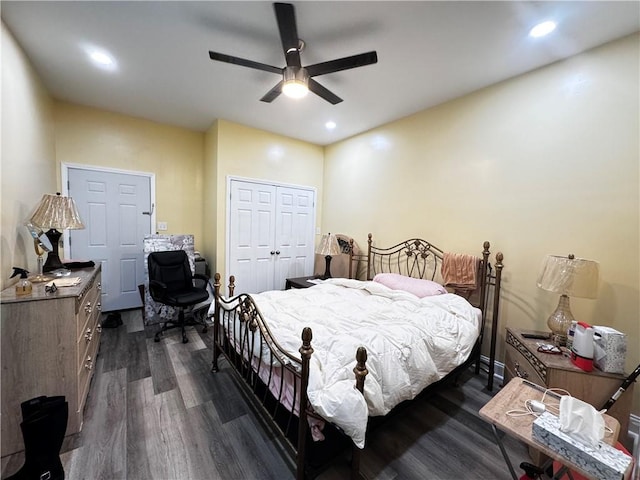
49,345
523,360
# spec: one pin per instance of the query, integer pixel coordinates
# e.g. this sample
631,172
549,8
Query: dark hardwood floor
156,412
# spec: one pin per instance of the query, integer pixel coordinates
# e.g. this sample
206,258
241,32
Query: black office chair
171,283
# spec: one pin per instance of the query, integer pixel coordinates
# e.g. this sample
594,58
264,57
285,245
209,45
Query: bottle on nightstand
571,334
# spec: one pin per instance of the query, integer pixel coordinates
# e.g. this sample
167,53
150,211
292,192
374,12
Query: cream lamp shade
55,213
328,247
570,277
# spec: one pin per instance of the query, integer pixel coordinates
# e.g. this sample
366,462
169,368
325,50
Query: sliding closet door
271,234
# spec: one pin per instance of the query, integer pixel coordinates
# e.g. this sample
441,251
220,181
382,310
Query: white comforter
410,342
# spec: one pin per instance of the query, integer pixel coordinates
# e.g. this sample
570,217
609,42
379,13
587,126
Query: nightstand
523,360
300,282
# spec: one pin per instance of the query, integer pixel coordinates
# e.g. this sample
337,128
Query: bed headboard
418,258
414,258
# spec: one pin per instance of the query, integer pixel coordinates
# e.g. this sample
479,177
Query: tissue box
603,462
609,349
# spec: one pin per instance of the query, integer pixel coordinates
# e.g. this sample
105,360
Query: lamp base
559,340
53,259
560,321
327,270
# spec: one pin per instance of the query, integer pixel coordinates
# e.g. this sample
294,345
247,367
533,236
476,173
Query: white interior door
270,234
251,232
295,214
116,210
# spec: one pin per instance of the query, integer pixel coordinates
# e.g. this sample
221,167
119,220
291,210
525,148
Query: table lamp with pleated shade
55,213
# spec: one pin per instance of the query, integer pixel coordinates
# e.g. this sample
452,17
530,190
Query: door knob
272,252
277,252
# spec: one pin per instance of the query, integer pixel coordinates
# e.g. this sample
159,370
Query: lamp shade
574,277
56,212
328,245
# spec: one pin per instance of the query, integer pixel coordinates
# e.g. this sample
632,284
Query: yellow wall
28,156
544,163
95,137
246,152
210,198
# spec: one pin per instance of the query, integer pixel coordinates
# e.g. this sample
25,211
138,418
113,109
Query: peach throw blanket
459,271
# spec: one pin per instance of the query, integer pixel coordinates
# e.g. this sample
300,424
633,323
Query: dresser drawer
85,374
517,365
87,304
519,362
90,337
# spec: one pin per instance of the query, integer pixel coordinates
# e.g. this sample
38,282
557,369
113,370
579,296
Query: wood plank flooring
156,412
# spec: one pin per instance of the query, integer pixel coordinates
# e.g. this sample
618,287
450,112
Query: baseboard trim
498,369
634,420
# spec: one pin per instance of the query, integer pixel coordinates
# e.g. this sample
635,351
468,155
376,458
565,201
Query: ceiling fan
296,79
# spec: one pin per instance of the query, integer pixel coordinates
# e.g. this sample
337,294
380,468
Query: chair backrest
172,268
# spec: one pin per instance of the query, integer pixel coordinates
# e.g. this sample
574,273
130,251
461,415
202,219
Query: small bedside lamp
570,277
328,247
55,213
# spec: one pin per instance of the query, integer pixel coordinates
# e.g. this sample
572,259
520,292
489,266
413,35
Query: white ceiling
428,53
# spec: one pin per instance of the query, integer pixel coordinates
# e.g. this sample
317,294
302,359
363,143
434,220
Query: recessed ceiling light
542,29
100,58
330,125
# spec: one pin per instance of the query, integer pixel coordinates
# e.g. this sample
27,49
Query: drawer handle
99,328
89,363
99,287
99,306
88,308
88,335
520,373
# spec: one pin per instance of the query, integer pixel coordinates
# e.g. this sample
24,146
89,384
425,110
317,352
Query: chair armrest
200,280
199,276
157,288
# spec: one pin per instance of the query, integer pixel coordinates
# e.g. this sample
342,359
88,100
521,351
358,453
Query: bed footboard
274,381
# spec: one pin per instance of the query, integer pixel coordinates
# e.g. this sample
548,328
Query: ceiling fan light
295,89
296,82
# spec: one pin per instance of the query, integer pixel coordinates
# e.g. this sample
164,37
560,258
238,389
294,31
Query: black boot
43,428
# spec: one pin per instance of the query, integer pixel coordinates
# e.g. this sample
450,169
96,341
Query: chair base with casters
183,320
172,283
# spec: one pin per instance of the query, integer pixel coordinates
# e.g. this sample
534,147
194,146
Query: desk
512,397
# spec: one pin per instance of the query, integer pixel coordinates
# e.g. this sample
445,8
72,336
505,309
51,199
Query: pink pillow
420,288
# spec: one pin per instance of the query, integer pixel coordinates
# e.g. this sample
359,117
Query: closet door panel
251,232
294,234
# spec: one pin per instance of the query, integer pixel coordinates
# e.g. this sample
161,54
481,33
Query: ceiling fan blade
342,64
221,57
286,17
319,90
272,94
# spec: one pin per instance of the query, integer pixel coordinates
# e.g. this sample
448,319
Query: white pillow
420,288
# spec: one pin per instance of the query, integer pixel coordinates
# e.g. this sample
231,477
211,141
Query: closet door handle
277,252
273,253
